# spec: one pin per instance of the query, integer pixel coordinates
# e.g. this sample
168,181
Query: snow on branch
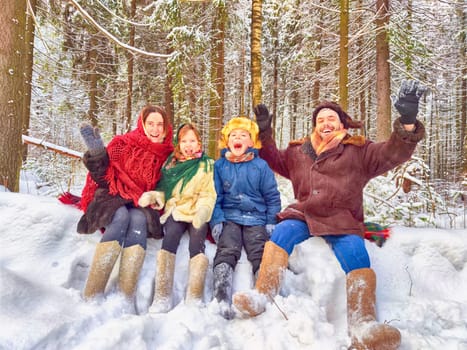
113,38
50,146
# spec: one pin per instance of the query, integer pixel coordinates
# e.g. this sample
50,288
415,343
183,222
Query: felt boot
198,267
366,333
223,282
273,264
130,267
163,282
102,264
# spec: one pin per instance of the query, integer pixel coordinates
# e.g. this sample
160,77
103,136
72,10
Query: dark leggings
173,232
234,237
128,227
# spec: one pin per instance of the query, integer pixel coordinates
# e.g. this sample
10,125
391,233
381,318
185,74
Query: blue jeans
349,250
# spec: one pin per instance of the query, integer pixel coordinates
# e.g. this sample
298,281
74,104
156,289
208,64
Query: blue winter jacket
247,192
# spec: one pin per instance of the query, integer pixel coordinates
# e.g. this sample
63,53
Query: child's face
189,144
239,141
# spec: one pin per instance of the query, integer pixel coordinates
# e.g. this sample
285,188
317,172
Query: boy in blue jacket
246,206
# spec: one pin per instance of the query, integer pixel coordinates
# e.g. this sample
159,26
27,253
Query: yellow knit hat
243,123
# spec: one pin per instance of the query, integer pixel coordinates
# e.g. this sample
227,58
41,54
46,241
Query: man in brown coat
329,170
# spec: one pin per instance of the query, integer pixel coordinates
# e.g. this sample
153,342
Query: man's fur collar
356,140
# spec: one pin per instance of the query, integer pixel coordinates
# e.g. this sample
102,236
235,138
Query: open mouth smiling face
189,144
154,127
328,121
239,141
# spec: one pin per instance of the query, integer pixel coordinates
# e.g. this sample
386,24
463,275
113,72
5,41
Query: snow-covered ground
422,283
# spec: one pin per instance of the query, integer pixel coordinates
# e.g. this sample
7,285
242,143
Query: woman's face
154,126
189,144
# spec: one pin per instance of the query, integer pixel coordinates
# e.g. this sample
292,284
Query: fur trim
240,123
298,142
356,140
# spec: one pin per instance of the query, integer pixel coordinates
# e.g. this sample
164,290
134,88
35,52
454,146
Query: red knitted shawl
134,165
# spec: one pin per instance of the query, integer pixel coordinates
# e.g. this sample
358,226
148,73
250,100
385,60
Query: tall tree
216,100
28,64
318,32
130,68
92,77
462,17
360,70
383,82
12,27
256,31
344,55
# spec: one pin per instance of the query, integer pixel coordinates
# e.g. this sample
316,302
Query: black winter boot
223,280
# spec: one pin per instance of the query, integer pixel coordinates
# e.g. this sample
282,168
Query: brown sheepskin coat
102,208
329,188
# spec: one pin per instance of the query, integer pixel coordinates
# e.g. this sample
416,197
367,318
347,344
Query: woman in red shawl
118,176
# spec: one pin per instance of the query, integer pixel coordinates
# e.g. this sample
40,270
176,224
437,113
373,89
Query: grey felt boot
223,280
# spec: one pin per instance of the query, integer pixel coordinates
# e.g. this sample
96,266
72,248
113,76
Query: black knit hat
343,116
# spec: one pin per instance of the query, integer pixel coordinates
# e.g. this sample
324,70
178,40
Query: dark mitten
263,118
406,104
92,138
153,221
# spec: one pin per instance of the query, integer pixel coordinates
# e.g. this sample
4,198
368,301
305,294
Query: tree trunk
242,82
12,27
344,55
92,112
383,83
256,31
168,96
275,85
130,67
315,95
463,85
361,73
216,110
29,61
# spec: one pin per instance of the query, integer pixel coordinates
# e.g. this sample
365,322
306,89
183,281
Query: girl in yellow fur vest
187,185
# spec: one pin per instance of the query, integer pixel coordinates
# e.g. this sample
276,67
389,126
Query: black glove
92,139
263,118
407,101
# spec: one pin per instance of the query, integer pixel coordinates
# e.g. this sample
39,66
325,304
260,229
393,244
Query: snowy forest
65,62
